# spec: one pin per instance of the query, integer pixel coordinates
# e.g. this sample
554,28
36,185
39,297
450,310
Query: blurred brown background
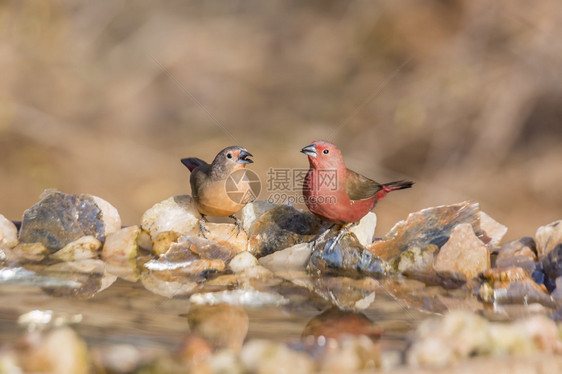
462,96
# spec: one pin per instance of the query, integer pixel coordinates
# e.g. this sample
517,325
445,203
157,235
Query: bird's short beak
310,150
243,157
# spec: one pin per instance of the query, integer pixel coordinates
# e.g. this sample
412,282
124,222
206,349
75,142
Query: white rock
84,248
494,230
253,211
547,237
242,261
110,217
177,214
8,233
292,258
365,229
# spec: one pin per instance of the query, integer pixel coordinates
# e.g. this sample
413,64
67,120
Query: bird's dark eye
325,151
229,155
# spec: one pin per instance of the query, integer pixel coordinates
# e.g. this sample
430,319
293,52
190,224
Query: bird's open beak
243,157
310,150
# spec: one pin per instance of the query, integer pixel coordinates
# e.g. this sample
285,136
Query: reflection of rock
168,285
57,351
292,258
459,335
493,229
83,248
428,226
224,326
282,227
90,274
333,323
59,219
265,356
120,253
242,297
345,293
463,254
176,214
347,257
548,237
8,233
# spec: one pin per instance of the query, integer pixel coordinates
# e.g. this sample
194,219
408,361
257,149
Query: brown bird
336,193
209,185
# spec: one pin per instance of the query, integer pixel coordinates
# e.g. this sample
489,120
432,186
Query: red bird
336,193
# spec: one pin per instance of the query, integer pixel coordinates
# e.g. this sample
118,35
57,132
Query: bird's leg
202,227
345,228
237,224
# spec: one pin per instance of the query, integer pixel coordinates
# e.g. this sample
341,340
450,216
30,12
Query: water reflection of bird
209,187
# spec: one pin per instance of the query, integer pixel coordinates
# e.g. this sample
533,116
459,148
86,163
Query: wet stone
547,237
163,241
60,218
347,257
292,258
27,252
8,233
552,263
463,254
428,226
223,326
120,253
177,214
282,227
81,249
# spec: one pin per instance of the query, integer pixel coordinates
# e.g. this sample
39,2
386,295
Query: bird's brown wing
359,187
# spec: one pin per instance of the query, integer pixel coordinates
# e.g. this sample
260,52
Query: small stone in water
224,326
282,227
8,233
463,254
81,249
493,229
176,213
548,237
292,258
428,226
120,252
242,261
59,219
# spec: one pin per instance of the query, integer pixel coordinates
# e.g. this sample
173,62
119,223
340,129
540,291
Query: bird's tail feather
398,185
192,162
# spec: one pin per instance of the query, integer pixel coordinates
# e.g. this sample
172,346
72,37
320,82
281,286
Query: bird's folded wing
193,162
359,187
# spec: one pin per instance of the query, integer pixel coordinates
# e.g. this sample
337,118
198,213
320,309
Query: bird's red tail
392,186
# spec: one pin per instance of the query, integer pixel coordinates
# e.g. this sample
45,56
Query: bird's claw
237,225
202,228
